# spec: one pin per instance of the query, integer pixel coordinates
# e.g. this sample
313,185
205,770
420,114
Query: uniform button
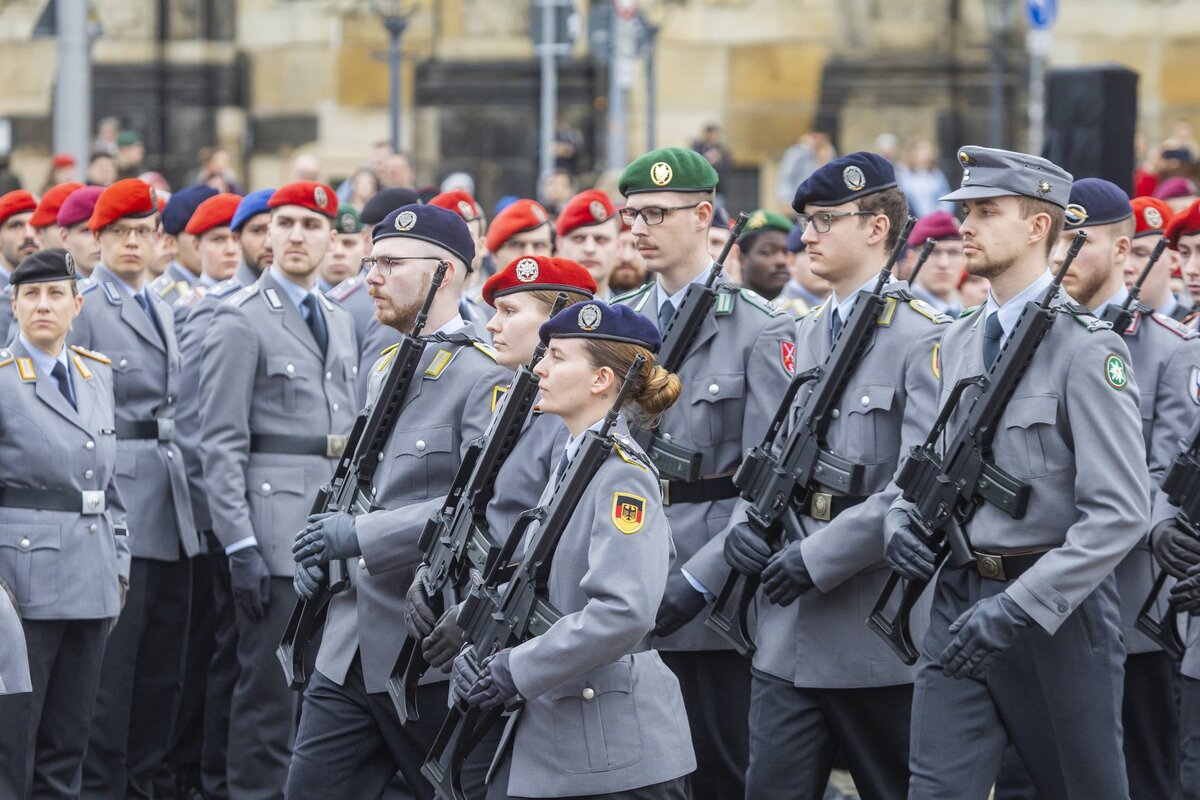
25,544
291,368
89,474
713,388
123,362
666,437
589,694
266,487
92,528
865,401
355,369
835,414
170,399
420,445
171,454
336,406
1062,608
362,563
379,457
90,446
328,376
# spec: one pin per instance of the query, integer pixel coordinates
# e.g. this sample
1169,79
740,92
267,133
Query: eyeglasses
653,215
385,264
823,221
121,232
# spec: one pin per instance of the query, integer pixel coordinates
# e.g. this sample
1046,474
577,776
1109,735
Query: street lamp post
649,36
999,15
395,21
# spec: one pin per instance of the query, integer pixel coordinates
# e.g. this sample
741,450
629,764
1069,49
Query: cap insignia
405,221
1076,214
320,196
466,211
854,179
597,210
589,318
538,213
661,173
1043,187
1153,217
70,264
527,270
965,159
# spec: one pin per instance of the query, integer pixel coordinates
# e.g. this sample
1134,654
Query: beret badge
538,213
527,270
466,211
405,221
320,196
153,198
661,173
1153,217
854,178
966,159
589,317
1076,214
596,208
70,262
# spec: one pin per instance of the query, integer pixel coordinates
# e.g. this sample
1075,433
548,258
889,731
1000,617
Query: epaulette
487,351
244,295
193,296
624,447
966,312
813,312
92,354
756,300
346,288
1085,317
273,300
6,358
1173,325
325,301
225,288
386,356
111,292
91,287
631,293
926,310
441,360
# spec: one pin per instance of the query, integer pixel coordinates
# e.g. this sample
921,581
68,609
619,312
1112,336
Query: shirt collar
677,298
127,288
43,360
1011,310
207,281
452,325
575,442
843,306
1117,300
294,291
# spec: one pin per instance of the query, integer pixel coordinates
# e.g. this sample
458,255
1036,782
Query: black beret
597,320
432,224
384,202
1095,201
54,264
182,205
844,179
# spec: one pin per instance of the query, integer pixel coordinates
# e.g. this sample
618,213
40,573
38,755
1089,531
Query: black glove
328,537
680,603
419,616
1185,595
444,643
786,577
251,581
307,580
462,678
746,551
905,553
1175,549
984,631
495,686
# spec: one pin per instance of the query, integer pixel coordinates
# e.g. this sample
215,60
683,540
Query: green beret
348,219
127,138
764,220
668,169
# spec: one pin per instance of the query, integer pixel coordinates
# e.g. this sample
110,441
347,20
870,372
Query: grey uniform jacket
61,565
173,284
603,714
1166,364
1076,439
262,372
146,379
14,658
733,376
888,407
446,408
373,338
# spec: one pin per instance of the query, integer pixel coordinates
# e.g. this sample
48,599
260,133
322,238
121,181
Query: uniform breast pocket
596,724
288,380
29,561
278,505
872,432
127,376
1031,444
717,408
423,462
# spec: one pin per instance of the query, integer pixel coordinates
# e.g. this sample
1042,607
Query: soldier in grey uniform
184,270
276,402
139,691
738,365
64,554
350,741
1024,643
603,716
822,682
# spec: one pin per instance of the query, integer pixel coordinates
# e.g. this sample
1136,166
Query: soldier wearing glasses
133,326
735,370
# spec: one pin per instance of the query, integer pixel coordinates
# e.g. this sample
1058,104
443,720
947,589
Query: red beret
51,202
938,226
460,202
78,206
517,217
1185,223
307,194
624,227
60,160
528,273
212,213
17,201
1151,215
130,197
586,208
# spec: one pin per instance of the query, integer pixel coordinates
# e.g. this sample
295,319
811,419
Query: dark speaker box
1091,117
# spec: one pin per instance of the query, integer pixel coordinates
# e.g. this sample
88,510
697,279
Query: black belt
718,487
162,430
1005,566
825,506
79,501
325,446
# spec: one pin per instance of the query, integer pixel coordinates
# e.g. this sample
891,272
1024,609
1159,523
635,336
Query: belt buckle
990,566
820,506
166,430
335,444
664,486
92,502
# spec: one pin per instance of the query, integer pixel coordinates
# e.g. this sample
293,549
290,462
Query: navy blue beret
432,224
182,205
597,320
384,202
252,205
1095,201
844,179
795,244
53,264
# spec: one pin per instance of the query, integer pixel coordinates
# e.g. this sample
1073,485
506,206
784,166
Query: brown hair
548,296
1029,206
655,389
893,205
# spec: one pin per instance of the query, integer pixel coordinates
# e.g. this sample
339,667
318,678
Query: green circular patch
1115,371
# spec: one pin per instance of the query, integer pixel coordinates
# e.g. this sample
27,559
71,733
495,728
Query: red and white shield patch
787,354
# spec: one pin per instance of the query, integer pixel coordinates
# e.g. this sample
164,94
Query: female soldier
604,716
63,549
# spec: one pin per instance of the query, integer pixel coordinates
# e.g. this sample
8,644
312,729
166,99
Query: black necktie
149,311
316,322
64,383
665,312
836,322
561,469
992,333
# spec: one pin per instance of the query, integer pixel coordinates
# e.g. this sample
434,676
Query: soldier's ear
603,381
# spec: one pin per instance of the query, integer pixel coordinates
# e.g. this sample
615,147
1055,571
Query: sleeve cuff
241,544
697,585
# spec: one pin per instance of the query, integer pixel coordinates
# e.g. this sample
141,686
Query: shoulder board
1173,325
325,301
813,312
387,355
6,358
441,360
345,288
84,372
966,312
225,288
162,284
191,297
487,351
112,293
92,354
25,367
1086,318
888,312
273,299
926,310
631,293
624,447
244,295
757,301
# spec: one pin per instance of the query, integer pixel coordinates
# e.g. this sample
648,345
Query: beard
624,278
402,316
986,266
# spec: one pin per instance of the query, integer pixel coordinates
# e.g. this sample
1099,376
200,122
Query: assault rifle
1120,316
349,490
779,488
926,252
673,461
456,536
946,489
497,614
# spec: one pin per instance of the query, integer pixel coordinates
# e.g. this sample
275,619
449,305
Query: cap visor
978,193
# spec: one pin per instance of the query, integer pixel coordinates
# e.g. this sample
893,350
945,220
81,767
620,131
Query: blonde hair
548,296
654,391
